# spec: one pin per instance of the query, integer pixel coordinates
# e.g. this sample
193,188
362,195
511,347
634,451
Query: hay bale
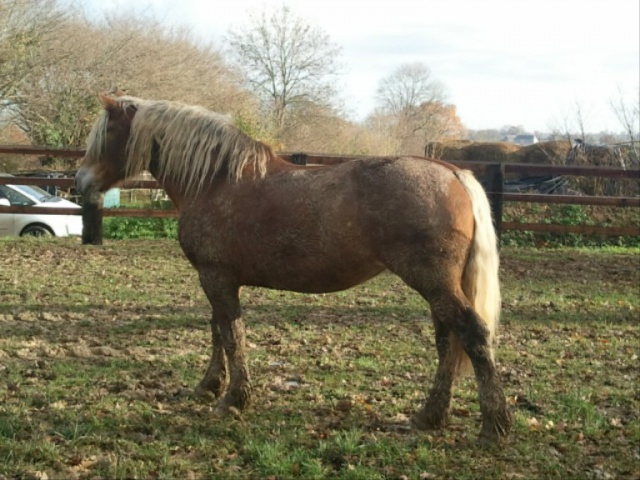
546,153
553,152
479,151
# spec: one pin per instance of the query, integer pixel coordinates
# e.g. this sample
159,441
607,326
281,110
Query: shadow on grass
94,318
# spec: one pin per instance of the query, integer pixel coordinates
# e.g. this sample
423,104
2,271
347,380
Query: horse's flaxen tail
480,281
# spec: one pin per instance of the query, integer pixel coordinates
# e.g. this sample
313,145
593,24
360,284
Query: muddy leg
233,339
228,336
436,410
459,330
215,378
496,416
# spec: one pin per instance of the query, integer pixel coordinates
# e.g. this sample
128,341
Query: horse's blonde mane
189,143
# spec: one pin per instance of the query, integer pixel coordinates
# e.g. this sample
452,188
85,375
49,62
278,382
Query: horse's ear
107,102
119,93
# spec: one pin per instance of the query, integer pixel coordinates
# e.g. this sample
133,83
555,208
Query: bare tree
381,126
57,103
413,104
580,118
25,27
438,123
628,114
289,63
408,87
573,124
150,60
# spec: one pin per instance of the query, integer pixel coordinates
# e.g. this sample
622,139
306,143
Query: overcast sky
504,62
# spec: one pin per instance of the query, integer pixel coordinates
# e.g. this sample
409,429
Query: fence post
495,189
91,222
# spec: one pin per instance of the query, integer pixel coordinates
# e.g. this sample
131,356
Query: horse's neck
180,198
175,194
170,186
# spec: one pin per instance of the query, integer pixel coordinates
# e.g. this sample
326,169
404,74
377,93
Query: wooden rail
73,152
494,172
70,182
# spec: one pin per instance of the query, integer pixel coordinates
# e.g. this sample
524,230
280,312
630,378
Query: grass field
100,348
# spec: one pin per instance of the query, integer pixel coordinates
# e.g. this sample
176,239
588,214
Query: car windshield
35,192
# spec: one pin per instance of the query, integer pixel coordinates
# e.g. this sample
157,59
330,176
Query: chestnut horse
248,217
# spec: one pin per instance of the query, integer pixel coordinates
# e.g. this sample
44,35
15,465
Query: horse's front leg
215,378
228,336
234,341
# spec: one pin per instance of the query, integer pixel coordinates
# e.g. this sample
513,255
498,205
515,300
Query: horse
249,217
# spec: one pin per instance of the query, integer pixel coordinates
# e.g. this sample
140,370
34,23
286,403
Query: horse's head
105,160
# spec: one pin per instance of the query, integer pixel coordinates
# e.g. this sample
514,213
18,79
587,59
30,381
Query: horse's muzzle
86,186
80,175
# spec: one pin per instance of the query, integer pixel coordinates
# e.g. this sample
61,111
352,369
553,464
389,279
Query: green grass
570,215
101,347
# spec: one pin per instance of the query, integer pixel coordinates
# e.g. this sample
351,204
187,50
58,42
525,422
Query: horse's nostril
85,183
79,175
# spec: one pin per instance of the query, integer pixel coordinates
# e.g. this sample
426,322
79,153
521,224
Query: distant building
522,139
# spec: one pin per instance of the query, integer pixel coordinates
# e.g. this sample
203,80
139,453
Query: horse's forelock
96,141
97,138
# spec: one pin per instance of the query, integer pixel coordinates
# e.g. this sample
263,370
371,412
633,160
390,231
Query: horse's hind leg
455,311
436,410
465,332
228,336
215,378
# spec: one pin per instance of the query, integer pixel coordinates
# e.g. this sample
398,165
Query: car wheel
36,231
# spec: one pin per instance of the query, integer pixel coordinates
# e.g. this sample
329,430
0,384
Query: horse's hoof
222,411
426,421
203,393
208,388
495,433
489,441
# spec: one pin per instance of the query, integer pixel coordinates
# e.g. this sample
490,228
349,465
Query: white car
32,223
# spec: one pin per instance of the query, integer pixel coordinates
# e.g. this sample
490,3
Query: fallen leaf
344,405
426,476
533,424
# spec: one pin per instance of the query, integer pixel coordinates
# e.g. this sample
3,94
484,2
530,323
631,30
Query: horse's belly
308,278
